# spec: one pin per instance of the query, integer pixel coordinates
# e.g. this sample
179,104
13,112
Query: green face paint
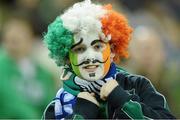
74,59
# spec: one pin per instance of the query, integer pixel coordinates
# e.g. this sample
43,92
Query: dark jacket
134,98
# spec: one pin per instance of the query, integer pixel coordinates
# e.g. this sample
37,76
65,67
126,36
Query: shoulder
132,81
140,86
6,63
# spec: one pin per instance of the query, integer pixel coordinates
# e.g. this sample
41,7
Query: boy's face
90,57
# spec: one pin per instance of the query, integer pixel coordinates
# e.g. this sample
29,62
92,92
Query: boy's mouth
90,68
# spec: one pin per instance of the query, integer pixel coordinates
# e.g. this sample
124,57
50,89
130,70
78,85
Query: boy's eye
99,46
79,49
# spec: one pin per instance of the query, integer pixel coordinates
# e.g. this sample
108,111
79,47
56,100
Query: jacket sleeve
49,111
84,109
147,103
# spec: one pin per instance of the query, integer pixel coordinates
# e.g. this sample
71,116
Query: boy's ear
112,53
67,62
112,56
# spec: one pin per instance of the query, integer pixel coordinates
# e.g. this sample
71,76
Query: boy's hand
88,96
87,106
107,89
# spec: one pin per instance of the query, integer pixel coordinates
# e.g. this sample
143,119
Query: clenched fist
88,96
107,89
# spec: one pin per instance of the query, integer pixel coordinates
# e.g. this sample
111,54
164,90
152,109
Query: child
88,40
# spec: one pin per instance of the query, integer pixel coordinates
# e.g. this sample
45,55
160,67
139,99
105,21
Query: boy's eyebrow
81,40
95,41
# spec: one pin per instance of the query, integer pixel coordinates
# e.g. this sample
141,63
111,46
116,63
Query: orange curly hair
116,25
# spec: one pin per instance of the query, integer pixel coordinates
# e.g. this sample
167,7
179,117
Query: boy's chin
91,79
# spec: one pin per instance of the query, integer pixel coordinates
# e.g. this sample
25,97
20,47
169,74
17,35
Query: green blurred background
29,79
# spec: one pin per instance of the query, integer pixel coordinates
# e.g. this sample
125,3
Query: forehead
87,37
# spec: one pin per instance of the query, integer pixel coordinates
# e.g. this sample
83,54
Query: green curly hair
58,40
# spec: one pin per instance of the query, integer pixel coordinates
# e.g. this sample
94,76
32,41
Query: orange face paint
106,54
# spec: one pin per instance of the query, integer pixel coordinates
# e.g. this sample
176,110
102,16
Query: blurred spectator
147,54
154,50
39,12
25,87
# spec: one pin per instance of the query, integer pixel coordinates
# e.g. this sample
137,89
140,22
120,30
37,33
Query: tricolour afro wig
82,17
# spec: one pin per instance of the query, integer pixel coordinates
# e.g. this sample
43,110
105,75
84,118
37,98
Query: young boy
88,40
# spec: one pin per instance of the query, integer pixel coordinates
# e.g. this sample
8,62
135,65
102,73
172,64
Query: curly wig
58,40
117,26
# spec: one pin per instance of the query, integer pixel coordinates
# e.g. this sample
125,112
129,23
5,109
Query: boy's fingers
93,94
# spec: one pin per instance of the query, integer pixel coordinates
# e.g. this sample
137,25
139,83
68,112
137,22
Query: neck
74,84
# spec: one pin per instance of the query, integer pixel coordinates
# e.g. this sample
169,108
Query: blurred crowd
29,79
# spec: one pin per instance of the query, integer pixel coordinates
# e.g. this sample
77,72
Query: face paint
90,57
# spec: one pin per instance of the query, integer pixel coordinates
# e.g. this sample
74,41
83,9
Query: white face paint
90,56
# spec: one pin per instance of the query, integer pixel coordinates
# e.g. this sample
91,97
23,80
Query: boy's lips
90,68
